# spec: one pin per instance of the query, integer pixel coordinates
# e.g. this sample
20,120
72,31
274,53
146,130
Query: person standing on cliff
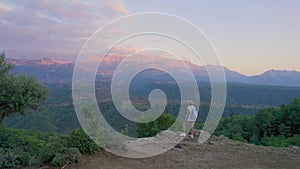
191,116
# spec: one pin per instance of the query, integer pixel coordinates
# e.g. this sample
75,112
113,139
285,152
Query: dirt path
217,152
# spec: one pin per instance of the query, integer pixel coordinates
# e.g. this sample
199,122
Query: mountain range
50,70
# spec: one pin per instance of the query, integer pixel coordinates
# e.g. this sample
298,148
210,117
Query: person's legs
184,130
184,127
193,129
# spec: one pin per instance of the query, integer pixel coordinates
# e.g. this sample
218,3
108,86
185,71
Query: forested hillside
269,127
59,115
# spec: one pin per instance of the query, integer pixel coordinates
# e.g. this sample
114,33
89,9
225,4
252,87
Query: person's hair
190,102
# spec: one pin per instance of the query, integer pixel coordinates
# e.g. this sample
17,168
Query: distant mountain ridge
48,70
42,61
277,77
45,70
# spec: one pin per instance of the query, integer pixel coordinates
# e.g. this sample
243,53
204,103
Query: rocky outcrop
217,152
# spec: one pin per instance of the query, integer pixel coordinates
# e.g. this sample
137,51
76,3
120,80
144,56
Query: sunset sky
250,36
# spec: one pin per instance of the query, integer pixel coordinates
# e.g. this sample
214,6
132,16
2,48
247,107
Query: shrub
72,155
295,140
278,141
238,137
48,151
9,158
68,155
58,160
150,129
80,140
29,147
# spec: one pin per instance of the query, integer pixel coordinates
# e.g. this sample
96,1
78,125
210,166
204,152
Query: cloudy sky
250,36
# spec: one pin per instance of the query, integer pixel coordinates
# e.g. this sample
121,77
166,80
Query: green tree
150,129
18,94
264,122
4,67
290,115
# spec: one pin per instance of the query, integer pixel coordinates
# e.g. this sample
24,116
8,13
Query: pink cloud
117,6
59,27
4,8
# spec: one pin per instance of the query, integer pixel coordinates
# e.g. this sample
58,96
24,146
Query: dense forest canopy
270,126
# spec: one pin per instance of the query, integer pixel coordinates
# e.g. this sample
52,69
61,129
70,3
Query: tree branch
2,118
